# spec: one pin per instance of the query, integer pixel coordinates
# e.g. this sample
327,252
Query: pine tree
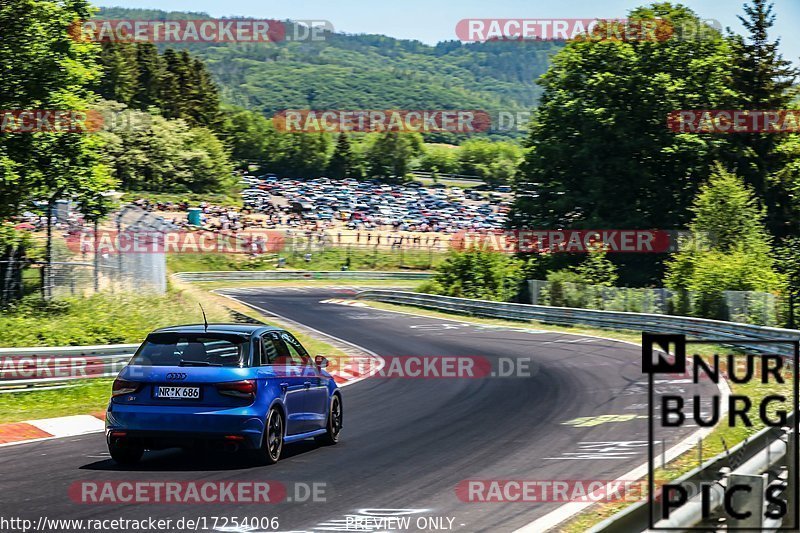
763,80
119,79
172,83
205,97
150,74
341,162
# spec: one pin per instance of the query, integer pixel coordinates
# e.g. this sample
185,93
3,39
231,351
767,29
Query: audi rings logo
176,376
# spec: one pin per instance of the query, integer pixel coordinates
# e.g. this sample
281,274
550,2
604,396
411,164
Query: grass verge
329,259
87,397
378,283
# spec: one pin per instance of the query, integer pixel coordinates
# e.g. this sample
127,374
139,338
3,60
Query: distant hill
368,71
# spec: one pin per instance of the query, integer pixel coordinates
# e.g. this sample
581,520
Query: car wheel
272,442
331,436
126,454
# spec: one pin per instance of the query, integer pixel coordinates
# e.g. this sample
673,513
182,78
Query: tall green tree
599,152
149,77
251,137
390,154
733,251
303,155
120,76
44,67
477,273
763,80
494,162
174,100
341,162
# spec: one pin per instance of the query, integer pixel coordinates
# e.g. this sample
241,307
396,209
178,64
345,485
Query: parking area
350,204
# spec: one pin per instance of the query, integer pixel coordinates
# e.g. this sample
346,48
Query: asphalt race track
406,443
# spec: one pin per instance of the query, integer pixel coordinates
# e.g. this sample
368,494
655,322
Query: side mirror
321,362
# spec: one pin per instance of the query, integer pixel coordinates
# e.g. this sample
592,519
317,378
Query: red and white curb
353,370
49,428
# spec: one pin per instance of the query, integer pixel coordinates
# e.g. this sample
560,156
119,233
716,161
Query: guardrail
270,275
699,328
761,461
55,367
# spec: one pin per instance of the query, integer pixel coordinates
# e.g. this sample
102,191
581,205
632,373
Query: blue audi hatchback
232,386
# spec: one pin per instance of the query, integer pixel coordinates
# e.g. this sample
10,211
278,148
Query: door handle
307,384
284,386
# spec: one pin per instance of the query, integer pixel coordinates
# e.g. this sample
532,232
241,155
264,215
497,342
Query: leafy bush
476,273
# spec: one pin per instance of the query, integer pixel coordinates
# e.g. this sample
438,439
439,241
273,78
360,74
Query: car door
287,373
316,399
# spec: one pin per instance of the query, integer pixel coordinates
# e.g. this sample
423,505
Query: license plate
180,393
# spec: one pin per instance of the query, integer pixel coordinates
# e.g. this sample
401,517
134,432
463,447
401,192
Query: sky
431,21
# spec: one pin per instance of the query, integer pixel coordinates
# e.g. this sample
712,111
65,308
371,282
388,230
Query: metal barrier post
747,501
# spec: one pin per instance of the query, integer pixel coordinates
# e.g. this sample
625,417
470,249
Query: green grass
450,182
85,398
229,199
330,259
404,284
103,318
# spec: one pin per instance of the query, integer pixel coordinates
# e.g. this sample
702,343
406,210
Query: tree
176,75
494,162
251,138
149,76
596,269
439,158
120,77
763,80
45,67
599,153
341,163
159,154
303,154
734,246
390,154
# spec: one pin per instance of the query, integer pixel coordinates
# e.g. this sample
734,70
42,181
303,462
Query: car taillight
245,389
122,387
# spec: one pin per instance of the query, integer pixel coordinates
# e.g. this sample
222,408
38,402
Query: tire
272,442
126,455
335,413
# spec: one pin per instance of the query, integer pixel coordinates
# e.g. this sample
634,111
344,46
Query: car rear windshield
181,349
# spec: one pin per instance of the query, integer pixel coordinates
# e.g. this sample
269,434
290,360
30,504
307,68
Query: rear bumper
159,426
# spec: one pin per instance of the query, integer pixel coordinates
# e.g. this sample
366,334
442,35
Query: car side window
271,348
296,350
